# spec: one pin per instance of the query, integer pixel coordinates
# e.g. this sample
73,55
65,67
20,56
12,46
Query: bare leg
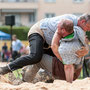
69,72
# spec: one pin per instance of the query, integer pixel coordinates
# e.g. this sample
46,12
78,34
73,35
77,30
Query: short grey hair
85,16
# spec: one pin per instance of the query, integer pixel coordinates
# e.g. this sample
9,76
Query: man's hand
82,52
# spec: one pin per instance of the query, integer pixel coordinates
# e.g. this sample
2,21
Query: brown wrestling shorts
58,70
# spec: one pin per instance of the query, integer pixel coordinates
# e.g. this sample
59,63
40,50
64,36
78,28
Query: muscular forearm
55,51
55,44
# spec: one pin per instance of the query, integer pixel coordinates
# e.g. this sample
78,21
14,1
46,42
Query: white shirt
16,45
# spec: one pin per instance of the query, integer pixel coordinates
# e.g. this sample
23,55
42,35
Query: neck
78,23
68,34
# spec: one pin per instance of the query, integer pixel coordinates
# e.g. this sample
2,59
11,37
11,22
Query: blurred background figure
5,54
16,47
86,64
4,47
23,50
28,49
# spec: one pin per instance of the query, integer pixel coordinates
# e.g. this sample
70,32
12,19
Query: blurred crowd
16,51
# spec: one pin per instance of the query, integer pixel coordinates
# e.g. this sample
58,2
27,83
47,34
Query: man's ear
83,21
64,30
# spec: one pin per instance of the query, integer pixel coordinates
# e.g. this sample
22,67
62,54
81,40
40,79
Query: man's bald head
67,25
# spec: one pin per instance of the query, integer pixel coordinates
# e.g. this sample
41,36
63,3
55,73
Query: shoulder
80,34
72,18
70,15
18,41
79,30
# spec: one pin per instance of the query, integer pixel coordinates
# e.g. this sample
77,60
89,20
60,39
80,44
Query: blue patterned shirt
49,25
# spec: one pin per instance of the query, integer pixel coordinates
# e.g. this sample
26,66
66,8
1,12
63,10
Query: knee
37,57
68,67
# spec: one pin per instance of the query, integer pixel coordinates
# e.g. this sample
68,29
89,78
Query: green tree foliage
21,32
88,34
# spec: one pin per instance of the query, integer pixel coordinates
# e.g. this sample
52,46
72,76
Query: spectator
23,50
4,52
4,47
16,47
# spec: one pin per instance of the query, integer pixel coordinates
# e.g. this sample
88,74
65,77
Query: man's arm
55,44
82,38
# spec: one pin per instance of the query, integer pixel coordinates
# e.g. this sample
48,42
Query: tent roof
4,36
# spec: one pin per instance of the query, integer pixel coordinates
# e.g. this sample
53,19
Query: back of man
49,25
70,44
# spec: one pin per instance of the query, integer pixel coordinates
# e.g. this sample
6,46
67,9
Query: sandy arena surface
57,85
84,84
